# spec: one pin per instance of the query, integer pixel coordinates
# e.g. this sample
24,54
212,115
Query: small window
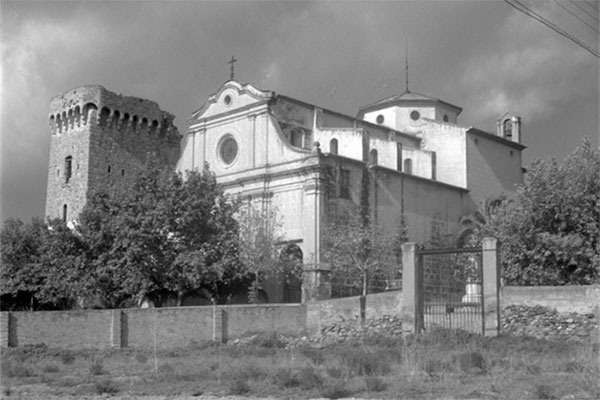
408,166
511,153
68,168
415,115
58,172
445,118
380,119
344,183
64,216
296,138
108,169
373,157
333,146
227,100
122,172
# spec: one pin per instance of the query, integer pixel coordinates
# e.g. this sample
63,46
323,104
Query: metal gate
449,292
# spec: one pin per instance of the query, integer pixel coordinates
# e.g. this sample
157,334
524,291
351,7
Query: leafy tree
358,250
168,234
260,244
42,265
549,235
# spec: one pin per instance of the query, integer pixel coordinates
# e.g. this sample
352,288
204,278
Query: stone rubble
545,323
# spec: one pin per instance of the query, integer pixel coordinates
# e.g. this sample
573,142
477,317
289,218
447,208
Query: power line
524,9
591,5
576,16
584,10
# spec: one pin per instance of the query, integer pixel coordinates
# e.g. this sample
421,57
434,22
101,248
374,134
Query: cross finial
406,62
232,62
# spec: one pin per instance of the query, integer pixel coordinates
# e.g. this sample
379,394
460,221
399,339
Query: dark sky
483,56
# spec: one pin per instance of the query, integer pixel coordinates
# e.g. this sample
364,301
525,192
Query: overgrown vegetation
549,233
438,364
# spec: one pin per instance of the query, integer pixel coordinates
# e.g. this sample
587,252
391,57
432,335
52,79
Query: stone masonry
100,139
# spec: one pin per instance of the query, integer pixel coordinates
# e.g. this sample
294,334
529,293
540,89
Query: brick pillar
411,289
491,287
115,328
316,283
4,329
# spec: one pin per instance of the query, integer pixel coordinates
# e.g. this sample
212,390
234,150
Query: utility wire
576,16
525,10
591,5
584,10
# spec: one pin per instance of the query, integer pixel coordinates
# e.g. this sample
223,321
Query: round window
228,150
380,119
415,115
445,118
227,100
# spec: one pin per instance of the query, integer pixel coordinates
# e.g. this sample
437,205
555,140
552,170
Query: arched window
408,166
373,157
333,146
64,216
296,137
507,129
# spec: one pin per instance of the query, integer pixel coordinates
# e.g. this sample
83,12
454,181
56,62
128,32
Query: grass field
448,364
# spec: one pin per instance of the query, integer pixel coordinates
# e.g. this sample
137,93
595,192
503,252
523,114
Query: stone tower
101,139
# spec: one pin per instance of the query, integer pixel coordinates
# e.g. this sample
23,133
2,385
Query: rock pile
545,323
387,325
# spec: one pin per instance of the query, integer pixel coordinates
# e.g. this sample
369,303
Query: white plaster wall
349,141
421,162
389,117
449,144
492,170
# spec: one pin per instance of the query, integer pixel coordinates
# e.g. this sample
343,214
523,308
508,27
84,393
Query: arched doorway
291,257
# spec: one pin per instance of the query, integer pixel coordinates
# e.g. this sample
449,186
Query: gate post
491,287
411,289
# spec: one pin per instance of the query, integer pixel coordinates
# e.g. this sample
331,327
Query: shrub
471,361
374,384
107,386
544,392
317,356
335,390
97,367
50,368
284,377
361,361
15,369
309,378
239,386
67,357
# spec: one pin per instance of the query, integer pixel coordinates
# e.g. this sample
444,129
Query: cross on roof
232,62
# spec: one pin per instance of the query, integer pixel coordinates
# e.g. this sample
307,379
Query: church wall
421,162
350,141
449,144
493,168
389,117
422,202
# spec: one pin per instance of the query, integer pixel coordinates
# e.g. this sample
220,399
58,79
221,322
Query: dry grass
441,363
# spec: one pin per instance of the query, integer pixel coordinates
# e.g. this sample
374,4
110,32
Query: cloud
533,72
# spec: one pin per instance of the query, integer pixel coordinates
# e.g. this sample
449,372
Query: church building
403,159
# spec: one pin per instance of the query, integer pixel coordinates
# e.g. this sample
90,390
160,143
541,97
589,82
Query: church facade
404,158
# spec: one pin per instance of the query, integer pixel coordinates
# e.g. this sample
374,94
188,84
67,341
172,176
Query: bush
284,377
362,361
471,361
239,386
67,357
15,369
317,356
97,367
309,378
107,386
50,368
374,384
335,390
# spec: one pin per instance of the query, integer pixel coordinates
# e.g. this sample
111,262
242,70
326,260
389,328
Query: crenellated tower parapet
100,139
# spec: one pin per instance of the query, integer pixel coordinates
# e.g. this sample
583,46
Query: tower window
445,118
122,172
380,119
408,166
68,168
64,216
333,146
415,115
108,170
507,129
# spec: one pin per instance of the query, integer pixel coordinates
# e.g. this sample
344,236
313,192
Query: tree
42,265
260,246
549,235
358,250
168,234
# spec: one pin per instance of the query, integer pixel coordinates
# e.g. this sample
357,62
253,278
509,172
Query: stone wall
564,299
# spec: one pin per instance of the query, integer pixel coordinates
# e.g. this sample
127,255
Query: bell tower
509,127
100,139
